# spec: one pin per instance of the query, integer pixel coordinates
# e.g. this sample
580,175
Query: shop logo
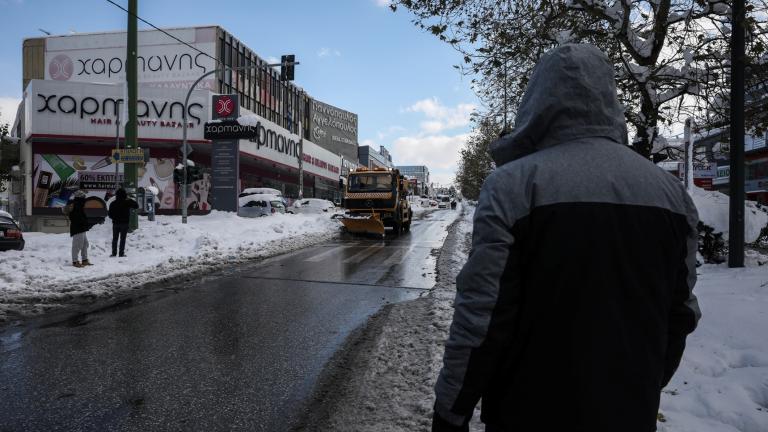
61,68
225,106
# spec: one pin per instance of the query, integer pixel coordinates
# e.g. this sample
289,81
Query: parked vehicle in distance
265,191
257,205
443,201
313,205
11,237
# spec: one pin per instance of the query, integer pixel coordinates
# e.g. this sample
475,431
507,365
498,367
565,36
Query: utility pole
131,129
736,182
688,154
301,161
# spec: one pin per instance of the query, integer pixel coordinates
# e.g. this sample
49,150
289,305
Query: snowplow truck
376,199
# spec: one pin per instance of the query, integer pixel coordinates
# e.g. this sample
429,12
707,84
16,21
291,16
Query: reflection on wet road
236,352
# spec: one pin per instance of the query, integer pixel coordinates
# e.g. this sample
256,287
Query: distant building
418,172
371,158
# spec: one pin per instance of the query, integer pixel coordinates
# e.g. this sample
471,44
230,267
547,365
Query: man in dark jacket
572,310
78,226
120,213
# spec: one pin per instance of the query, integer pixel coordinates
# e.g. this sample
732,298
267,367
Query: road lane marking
335,282
365,253
399,256
321,256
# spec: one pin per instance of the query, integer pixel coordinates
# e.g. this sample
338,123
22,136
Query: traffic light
286,67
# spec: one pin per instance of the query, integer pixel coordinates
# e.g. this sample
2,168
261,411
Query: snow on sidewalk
42,277
721,385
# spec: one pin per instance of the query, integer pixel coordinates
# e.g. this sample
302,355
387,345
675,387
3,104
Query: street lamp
185,146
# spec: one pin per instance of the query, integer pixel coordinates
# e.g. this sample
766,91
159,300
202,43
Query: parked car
11,237
313,205
258,205
266,191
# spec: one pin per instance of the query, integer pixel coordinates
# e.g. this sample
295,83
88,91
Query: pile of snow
722,382
42,277
714,211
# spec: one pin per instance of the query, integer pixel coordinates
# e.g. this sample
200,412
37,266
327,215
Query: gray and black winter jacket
574,305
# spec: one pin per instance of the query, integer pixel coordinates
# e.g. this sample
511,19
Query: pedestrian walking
78,227
572,310
120,213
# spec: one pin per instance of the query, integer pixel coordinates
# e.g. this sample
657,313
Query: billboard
56,108
162,61
334,129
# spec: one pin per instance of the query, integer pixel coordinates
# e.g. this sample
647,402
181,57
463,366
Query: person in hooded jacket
572,310
120,213
78,227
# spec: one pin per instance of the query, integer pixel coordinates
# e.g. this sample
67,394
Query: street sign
130,155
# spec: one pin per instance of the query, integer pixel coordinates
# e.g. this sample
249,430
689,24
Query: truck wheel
397,228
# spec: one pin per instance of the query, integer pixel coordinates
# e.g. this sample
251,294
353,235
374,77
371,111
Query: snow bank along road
237,350
41,277
383,379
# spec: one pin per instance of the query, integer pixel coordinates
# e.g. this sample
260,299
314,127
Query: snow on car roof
269,191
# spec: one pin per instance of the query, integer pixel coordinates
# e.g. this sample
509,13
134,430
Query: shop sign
225,107
334,129
84,110
753,186
162,61
93,180
132,155
225,174
229,129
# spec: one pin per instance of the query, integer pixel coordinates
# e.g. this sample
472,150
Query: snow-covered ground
41,277
721,385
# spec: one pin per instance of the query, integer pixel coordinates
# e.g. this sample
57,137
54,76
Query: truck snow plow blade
363,224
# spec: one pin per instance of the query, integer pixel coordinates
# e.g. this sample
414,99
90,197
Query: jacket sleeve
475,346
684,313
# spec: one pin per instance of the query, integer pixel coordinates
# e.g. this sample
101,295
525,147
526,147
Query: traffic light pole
131,129
184,144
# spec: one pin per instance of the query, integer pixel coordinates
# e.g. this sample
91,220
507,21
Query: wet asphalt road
237,351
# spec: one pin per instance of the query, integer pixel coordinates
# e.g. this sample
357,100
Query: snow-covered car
266,191
11,237
432,203
258,205
313,205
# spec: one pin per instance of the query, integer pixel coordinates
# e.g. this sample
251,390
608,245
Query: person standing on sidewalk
120,213
78,227
572,310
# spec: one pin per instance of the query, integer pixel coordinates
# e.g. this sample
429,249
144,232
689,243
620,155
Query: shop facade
70,132
74,94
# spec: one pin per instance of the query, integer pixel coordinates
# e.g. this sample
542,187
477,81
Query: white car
444,201
314,205
264,191
257,205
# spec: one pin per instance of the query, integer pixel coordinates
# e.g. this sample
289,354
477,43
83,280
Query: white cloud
382,3
438,152
8,106
441,117
328,52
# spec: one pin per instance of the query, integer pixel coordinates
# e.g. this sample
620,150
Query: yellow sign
128,155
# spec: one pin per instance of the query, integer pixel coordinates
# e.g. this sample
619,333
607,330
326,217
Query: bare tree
671,56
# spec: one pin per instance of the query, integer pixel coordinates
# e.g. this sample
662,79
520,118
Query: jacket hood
78,202
571,95
121,195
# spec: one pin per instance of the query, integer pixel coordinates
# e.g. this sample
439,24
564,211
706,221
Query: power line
163,31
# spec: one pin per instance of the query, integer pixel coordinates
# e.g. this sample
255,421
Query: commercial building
420,174
371,158
755,159
74,93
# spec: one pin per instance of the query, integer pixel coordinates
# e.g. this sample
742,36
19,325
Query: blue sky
355,54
